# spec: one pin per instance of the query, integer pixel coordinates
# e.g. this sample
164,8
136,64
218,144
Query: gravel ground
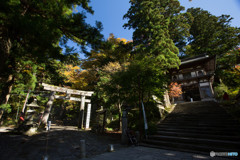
62,142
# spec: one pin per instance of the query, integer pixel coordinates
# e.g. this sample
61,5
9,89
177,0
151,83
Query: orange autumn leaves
175,90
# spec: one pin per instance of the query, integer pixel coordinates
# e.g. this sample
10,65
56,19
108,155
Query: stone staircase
198,127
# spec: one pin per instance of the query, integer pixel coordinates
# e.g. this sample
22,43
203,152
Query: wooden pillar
48,108
88,115
199,86
81,114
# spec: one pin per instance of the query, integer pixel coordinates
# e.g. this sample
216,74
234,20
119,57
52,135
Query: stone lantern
31,111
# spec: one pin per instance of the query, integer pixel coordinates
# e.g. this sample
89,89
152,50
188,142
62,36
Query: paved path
61,143
61,147
144,153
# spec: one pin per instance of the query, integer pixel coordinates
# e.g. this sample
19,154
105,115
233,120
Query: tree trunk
5,94
5,47
6,77
140,122
63,109
1,113
48,108
120,116
104,121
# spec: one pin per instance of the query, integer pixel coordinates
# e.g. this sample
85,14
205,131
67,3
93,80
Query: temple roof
194,59
206,61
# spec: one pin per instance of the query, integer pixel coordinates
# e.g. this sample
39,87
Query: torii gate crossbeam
68,93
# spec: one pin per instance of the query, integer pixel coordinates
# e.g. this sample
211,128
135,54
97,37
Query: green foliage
220,90
152,115
210,34
113,124
150,22
228,69
9,121
154,49
32,36
213,35
6,107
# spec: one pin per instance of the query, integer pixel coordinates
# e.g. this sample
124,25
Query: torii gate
68,92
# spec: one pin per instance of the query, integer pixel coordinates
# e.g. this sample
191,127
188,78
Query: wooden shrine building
196,75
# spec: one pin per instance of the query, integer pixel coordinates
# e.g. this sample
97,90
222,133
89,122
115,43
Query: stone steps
203,131
199,127
213,135
204,150
146,144
190,147
196,141
203,125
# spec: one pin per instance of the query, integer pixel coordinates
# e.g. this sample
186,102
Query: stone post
82,149
124,138
81,116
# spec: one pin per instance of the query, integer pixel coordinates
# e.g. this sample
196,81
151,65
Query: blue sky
110,13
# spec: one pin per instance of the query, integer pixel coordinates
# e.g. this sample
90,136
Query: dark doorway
191,92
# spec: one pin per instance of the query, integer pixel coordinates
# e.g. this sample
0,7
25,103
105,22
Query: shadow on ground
62,142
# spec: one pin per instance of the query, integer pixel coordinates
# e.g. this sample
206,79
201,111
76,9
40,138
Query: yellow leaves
26,71
112,67
76,68
112,38
80,79
84,79
71,73
123,40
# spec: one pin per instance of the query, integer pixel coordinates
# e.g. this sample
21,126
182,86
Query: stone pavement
63,145
144,153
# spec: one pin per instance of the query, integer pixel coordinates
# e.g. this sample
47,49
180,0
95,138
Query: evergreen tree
158,25
35,30
210,34
150,20
155,51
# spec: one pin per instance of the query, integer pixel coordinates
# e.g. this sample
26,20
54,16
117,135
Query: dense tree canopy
228,69
33,30
33,49
36,30
210,34
151,39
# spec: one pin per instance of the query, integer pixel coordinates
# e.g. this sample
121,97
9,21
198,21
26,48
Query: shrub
6,107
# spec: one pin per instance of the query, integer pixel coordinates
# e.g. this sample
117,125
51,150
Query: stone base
209,99
31,131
